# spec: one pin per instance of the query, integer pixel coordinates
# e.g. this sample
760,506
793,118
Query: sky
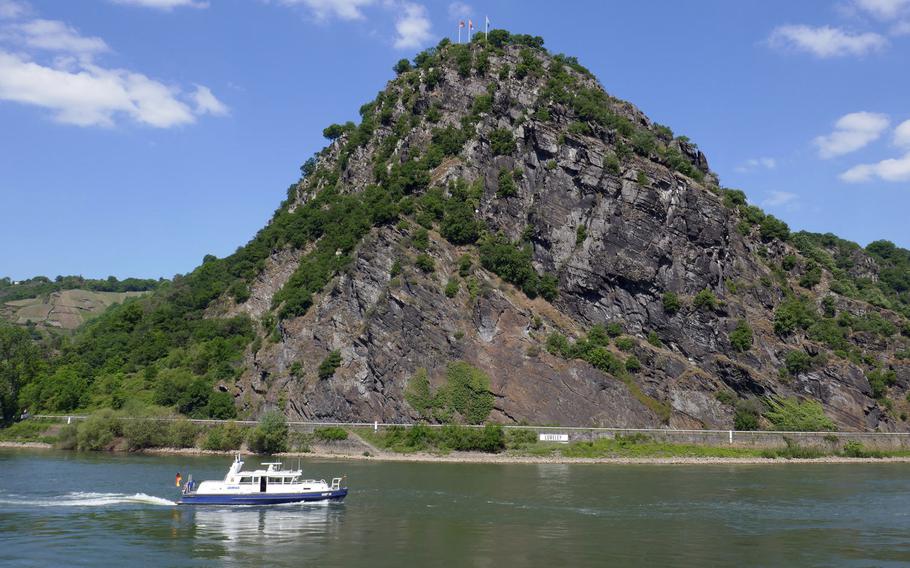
137,136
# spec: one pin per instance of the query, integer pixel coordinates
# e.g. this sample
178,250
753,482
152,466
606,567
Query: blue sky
140,135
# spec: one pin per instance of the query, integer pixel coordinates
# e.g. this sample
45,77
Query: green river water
80,509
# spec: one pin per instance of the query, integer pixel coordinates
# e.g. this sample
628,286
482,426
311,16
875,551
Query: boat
270,486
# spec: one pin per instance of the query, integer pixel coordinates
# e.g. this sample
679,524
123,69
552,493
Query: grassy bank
519,443
107,431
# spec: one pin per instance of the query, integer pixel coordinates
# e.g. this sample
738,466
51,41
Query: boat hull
262,498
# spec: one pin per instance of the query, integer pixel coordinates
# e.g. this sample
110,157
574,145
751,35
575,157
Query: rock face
619,230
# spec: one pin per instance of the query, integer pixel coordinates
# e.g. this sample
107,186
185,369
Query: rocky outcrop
617,238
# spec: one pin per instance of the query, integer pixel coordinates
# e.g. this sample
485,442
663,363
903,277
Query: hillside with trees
499,239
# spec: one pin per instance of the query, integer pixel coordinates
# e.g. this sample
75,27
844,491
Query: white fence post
731,436
376,426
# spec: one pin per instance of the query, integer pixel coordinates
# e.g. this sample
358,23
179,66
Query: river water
92,509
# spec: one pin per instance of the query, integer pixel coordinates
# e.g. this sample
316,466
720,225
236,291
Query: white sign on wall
563,438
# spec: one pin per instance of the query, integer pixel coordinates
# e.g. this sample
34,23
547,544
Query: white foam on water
81,499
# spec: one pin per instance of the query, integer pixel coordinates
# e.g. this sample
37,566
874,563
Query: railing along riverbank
736,438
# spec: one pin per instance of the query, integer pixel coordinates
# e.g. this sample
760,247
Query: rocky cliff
600,277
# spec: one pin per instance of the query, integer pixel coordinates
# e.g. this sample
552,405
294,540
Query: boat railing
336,483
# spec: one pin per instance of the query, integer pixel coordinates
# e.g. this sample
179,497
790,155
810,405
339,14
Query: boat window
278,480
246,480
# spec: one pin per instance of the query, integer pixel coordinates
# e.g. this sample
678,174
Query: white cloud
753,164
902,134
851,132
413,27
779,198
78,90
884,9
166,5
892,169
327,9
901,28
10,9
459,10
825,41
54,35
206,103
91,96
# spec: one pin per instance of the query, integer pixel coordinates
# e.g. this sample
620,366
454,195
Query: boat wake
80,499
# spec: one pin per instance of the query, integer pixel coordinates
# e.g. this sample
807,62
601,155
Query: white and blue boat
271,486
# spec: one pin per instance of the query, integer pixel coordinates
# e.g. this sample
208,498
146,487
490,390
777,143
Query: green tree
334,131
794,313
459,225
773,228
21,362
220,406
270,436
403,66
98,430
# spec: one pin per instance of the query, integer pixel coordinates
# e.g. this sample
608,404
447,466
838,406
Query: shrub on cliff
671,302
746,414
741,336
467,392
705,300
329,364
797,361
507,187
502,142
792,415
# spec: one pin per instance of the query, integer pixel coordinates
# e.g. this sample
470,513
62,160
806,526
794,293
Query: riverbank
507,458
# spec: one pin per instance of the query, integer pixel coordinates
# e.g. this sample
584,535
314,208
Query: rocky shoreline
476,457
